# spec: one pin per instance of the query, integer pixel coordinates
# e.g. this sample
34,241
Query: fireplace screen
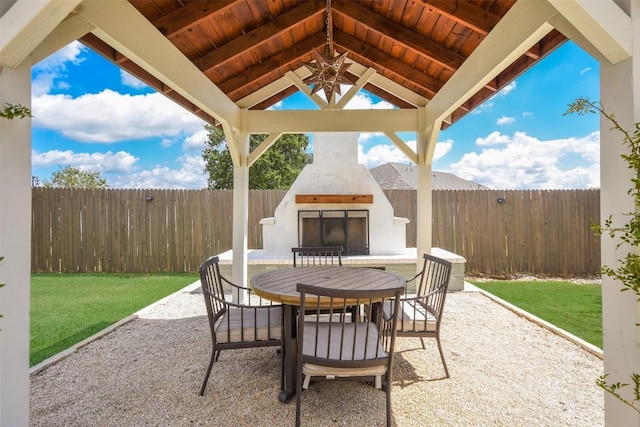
346,228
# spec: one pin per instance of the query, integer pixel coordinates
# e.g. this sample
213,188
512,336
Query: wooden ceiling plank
397,32
276,65
262,34
189,15
385,62
272,90
467,14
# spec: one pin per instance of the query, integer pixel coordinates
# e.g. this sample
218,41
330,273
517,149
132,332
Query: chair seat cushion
412,317
313,370
260,324
336,344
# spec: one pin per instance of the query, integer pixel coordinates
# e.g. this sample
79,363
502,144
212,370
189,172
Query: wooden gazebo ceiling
244,45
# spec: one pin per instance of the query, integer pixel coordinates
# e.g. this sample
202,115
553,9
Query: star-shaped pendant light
328,71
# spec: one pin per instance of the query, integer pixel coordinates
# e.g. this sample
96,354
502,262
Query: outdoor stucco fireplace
335,201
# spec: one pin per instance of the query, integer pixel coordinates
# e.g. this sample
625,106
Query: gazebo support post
15,247
620,310
240,213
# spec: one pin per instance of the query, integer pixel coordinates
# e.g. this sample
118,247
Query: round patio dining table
280,286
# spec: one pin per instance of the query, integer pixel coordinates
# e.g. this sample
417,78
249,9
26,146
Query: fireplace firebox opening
346,228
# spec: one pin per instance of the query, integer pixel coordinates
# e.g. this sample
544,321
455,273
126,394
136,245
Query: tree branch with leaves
18,111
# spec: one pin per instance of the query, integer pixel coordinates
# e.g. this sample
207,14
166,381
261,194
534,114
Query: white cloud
585,71
489,103
277,106
167,142
196,141
442,148
110,116
364,137
521,161
364,102
48,72
380,154
189,174
485,106
128,80
507,89
385,153
505,120
494,138
104,162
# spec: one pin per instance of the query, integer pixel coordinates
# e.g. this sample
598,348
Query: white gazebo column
425,147
241,211
15,247
620,94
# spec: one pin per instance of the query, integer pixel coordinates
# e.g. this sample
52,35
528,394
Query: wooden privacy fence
498,232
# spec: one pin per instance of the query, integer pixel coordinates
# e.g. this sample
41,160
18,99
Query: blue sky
91,115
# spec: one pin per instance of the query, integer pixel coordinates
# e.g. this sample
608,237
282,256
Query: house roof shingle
398,176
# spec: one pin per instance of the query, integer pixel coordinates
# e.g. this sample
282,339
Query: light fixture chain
328,71
329,27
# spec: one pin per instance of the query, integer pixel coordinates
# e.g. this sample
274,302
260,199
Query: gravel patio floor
505,371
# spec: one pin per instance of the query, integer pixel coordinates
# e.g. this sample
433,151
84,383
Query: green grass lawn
576,308
67,308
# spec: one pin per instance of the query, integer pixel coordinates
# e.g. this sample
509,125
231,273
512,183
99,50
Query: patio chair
255,323
333,347
317,256
421,312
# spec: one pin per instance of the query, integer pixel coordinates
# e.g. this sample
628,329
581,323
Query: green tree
70,177
276,169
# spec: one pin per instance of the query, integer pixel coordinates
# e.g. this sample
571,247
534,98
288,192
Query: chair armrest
254,301
406,288
421,299
414,277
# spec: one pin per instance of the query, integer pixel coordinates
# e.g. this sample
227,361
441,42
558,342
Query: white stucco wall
335,170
